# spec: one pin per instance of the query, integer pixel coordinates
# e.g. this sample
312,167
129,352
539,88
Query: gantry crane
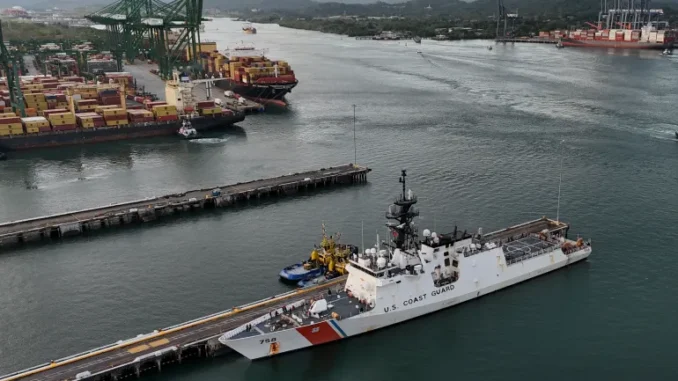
145,25
9,64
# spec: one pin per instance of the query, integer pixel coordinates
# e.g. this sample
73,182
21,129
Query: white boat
187,131
410,278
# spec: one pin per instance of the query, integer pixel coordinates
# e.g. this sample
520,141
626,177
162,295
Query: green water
479,132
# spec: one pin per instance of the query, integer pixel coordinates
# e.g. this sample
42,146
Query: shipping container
64,127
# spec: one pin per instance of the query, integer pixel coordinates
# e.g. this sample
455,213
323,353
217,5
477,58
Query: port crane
9,65
147,25
504,16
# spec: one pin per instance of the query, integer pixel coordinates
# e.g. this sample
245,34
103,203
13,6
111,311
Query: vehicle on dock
326,260
410,277
254,76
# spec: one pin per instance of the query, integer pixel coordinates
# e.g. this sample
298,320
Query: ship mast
401,216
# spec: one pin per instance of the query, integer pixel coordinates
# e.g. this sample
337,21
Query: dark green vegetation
30,33
413,26
417,18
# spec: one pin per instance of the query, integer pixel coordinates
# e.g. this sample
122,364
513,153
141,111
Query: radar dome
434,235
427,233
367,251
373,251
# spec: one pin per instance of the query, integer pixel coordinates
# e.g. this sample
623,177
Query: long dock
171,345
52,228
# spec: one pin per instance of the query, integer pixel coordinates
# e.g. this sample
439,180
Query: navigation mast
401,215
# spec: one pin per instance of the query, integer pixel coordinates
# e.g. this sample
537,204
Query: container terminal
621,24
171,345
52,228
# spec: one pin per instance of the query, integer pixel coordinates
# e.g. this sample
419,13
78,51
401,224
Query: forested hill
420,8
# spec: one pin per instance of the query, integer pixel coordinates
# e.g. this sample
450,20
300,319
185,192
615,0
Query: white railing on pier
121,343
262,319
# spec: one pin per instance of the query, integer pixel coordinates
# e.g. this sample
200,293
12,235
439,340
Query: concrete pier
54,227
155,351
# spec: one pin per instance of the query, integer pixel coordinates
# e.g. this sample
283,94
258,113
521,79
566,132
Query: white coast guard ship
410,278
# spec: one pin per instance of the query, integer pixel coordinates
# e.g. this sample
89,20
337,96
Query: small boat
317,280
187,131
417,39
676,134
249,29
560,45
3,156
301,272
489,48
667,52
330,259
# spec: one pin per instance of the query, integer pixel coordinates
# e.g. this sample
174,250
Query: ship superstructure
410,277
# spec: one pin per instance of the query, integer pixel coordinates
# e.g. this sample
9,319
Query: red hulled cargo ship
254,76
620,39
621,25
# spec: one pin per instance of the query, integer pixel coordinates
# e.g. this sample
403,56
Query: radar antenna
402,214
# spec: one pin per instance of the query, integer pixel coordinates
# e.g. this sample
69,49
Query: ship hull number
420,298
268,341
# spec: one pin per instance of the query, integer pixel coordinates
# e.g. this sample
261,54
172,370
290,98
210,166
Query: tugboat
327,261
187,131
249,29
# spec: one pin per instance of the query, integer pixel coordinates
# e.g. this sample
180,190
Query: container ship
410,277
248,72
68,111
636,28
248,28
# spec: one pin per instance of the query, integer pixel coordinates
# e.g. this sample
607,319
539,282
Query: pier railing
164,331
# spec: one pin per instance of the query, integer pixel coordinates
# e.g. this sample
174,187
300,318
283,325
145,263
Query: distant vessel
637,28
417,39
410,278
248,28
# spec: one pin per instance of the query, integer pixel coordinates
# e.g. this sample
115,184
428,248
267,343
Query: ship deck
527,245
296,314
113,358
